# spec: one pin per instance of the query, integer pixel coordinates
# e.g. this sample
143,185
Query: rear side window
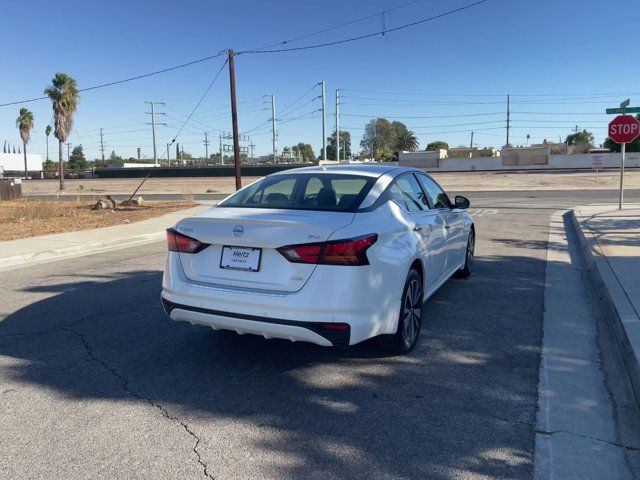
396,196
411,193
313,191
436,196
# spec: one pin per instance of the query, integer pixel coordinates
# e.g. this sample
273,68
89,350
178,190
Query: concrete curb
61,246
621,314
9,263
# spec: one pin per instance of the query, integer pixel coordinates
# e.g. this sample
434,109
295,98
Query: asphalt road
95,381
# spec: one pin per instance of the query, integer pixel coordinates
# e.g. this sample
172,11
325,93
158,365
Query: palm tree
407,142
64,96
24,122
47,132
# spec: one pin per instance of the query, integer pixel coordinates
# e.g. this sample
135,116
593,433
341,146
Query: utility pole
251,146
168,155
221,153
324,124
68,147
206,146
101,146
576,128
338,125
234,120
153,127
274,133
507,145
471,146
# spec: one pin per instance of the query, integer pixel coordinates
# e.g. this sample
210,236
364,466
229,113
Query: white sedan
328,255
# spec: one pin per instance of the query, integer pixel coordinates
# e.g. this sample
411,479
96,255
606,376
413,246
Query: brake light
351,251
176,242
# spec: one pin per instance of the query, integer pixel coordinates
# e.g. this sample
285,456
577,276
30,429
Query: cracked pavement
96,382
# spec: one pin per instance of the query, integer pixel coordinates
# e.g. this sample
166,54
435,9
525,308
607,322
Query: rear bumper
325,334
330,299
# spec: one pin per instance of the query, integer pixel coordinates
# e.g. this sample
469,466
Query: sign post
597,165
623,129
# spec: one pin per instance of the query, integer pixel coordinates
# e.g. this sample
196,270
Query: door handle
417,228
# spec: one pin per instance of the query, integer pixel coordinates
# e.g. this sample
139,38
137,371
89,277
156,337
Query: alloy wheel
471,244
412,312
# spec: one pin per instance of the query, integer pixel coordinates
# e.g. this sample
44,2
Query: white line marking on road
481,212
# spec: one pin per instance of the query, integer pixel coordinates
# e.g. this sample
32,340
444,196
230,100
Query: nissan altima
329,255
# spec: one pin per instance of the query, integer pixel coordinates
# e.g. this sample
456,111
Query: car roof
371,170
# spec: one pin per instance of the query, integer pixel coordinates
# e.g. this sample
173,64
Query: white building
14,162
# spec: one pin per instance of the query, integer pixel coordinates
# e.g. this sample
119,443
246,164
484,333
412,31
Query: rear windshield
302,191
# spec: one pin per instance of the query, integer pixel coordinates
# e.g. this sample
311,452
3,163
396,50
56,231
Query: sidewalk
49,248
611,241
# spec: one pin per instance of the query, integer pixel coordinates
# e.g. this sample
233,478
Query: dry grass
29,218
25,211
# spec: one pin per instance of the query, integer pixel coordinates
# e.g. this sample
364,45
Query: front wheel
465,271
410,321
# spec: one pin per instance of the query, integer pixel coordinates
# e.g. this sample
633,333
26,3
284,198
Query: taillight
351,251
176,242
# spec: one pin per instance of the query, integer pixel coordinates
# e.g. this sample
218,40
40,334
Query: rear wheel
410,321
465,271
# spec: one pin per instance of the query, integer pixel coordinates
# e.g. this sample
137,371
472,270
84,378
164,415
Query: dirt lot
459,181
21,219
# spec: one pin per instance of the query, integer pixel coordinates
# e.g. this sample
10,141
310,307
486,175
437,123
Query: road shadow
462,404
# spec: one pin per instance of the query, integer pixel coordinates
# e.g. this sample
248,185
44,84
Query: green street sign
623,110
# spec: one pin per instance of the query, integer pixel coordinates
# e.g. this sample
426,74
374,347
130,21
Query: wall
430,159
561,161
523,157
212,171
15,161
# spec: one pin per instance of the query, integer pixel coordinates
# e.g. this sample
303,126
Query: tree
580,138
378,138
47,132
383,140
345,146
77,161
616,147
437,145
24,122
406,141
304,150
49,165
64,96
115,159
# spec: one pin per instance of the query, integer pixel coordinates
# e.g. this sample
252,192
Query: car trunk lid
256,228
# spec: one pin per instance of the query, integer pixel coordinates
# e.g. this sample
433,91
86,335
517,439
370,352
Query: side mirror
462,202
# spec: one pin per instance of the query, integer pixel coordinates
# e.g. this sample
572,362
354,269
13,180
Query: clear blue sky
553,57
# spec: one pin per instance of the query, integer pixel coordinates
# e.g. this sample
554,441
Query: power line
559,113
125,80
299,98
297,108
268,120
351,22
431,94
420,116
412,127
368,35
200,101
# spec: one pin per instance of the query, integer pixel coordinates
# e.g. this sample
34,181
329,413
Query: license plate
241,258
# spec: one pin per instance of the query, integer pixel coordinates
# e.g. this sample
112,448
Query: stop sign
624,129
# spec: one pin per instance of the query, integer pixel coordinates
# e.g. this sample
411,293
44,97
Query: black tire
410,320
466,270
